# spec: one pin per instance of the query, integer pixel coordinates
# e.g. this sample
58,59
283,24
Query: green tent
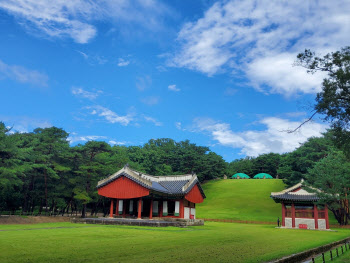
262,176
240,176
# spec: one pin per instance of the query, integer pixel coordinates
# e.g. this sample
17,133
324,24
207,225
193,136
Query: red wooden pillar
316,216
124,207
326,216
117,207
151,209
293,215
111,208
182,208
139,210
283,214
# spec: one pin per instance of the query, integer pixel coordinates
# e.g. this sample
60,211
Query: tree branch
304,122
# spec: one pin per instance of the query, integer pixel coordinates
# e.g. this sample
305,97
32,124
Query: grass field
342,258
214,242
241,200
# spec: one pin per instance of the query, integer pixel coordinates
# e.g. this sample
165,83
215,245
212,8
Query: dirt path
10,220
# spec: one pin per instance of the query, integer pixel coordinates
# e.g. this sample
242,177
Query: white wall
310,222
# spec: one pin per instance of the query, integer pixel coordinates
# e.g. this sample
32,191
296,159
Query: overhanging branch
304,122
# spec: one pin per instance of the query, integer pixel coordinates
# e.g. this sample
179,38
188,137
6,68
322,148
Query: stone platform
162,222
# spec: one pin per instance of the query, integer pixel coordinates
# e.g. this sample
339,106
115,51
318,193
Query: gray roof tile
174,187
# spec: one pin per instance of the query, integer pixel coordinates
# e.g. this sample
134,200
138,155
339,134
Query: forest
41,173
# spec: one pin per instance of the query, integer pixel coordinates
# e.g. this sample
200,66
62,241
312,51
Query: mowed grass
214,242
345,258
241,200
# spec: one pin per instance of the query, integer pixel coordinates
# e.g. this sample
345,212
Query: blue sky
219,73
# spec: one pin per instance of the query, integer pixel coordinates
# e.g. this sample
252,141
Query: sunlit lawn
214,242
241,200
247,199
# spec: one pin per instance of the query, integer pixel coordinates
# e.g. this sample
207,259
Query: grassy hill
241,200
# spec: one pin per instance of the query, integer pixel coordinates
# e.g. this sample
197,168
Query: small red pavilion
300,209
135,194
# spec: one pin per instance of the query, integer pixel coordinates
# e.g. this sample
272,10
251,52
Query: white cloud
122,62
93,59
112,142
111,116
273,138
178,125
230,91
173,88
23,123
23,75
151,100
74,18
55,18
278,73
86,56
81,93
261,39
75,138
153,120
143,83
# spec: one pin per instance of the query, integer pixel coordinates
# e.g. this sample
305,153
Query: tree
11,170
266,163
89,171
244,165
331,176
48,147
333,101
294,166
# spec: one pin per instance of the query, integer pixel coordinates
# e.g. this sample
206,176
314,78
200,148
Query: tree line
40,171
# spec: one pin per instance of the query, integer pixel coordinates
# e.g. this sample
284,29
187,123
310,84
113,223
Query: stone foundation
163,222
308,221
321,223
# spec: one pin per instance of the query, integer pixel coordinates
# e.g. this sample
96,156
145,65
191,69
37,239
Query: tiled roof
292,195
158,187
171,184
174,186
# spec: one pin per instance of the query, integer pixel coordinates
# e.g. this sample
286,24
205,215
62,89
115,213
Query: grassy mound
241,200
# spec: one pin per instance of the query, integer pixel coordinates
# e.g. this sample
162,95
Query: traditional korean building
134,194
300,209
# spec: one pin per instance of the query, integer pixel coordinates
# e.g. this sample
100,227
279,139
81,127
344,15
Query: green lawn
214,242
241,200
343,258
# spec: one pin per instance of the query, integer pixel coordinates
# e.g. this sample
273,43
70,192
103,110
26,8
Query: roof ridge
129,172
189,183
288,189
